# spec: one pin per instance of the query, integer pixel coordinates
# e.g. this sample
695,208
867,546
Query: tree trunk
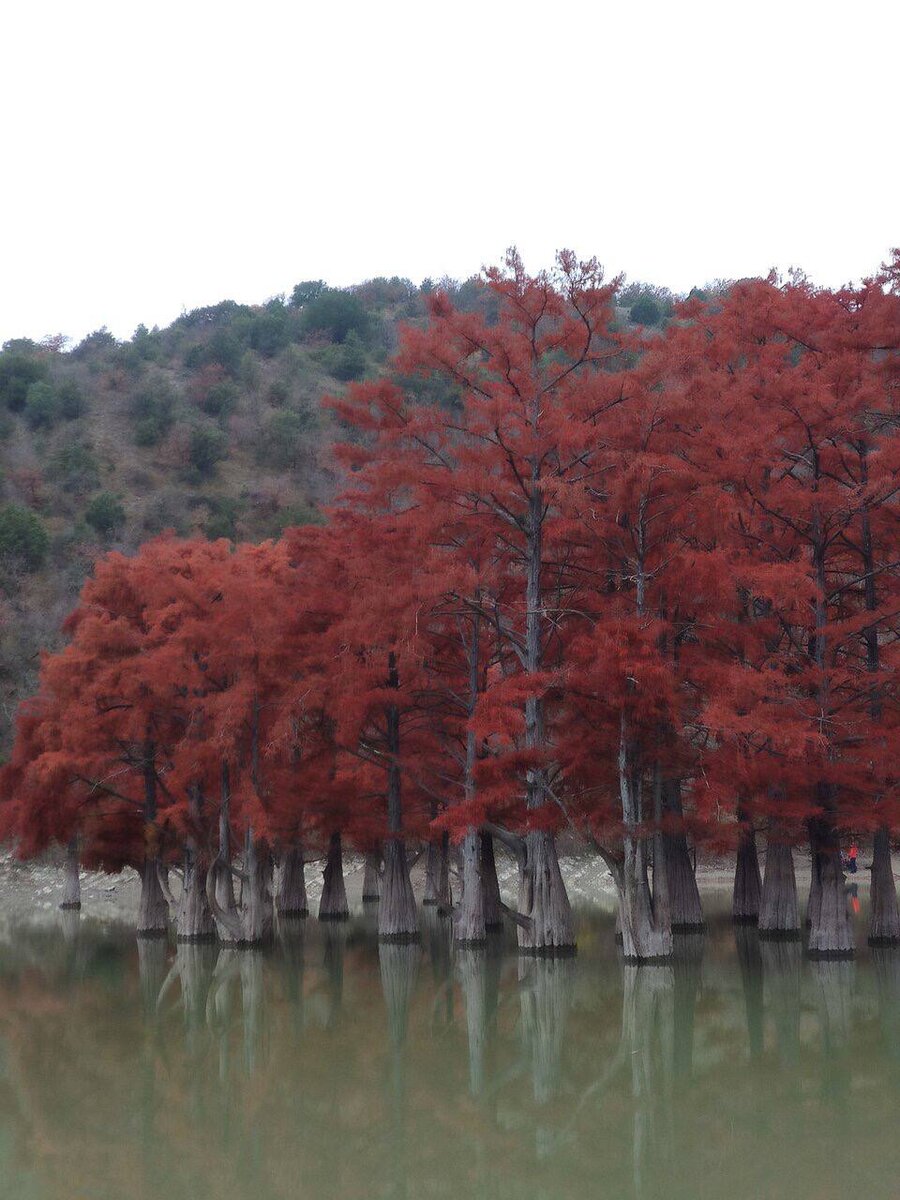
224,884
291,900
831,930
397,917
645,919
490,886
745,900
256,916
194,921
333,903
437,873
778,911
71,877
153,913
884,927
685,908
469,923
543,901
372,879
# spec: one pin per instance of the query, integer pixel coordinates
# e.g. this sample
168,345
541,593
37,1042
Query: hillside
212,427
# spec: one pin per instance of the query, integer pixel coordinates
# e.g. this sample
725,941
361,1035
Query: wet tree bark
686,910
490,886
71,877
291,900
644,918
884,925
397,917
778,911
543,901
437,874
333,903
747,894
194,922
830,928
468,924
398,920
224,884
257,917
372,879
153,912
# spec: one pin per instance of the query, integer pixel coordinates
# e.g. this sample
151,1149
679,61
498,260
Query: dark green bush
105,514
23,538
72,400
335,313
645,311
307,291
206,449
283,439
42,406
18,372
347,360
76,468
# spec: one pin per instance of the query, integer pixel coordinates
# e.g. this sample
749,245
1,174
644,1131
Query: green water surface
330,1067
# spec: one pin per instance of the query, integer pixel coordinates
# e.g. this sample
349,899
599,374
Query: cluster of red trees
639,586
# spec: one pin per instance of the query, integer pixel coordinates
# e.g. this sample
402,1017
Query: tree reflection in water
330,1065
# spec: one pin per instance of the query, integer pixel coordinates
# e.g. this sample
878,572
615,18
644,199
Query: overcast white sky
159,156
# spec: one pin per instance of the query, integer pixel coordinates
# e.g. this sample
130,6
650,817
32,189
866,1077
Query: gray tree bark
778,910
71,877
490,885
543,902
884,924
153,912
831,932
291,899
194,922
372,879
747,894
685,908
469,923
437,874
333,903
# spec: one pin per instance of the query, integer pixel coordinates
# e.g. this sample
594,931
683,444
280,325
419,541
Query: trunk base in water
779,915
371,880
397,917
831,931
747,894
490,884
194,921
437,874
884,927
468,923
71,900
153,912
333,904
543,899
291,900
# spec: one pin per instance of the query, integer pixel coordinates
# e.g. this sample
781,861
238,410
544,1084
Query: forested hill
213,426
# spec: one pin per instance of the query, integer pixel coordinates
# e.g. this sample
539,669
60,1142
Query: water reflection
332,1066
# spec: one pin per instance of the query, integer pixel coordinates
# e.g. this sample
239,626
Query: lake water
331,1068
